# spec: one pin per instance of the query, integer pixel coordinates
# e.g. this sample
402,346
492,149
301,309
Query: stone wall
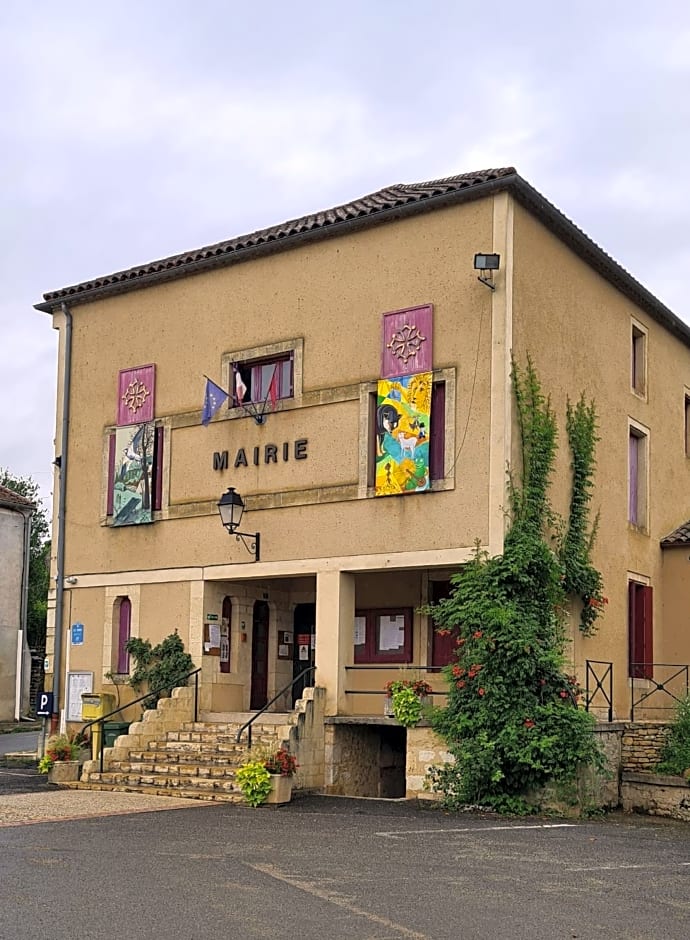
656,795
425,749
641,744
307,739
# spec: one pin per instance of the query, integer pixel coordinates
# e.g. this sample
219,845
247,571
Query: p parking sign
44,704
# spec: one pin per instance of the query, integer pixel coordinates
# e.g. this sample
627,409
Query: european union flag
213,399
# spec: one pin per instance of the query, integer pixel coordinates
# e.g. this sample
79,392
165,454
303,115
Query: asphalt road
23,741
345,870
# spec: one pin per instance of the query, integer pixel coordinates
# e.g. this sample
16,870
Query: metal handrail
168,685
682,669
248,724
599,680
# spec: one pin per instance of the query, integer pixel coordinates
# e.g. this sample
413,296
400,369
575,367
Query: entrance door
304,646
259,691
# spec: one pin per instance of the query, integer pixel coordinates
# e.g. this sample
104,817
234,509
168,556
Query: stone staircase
196,761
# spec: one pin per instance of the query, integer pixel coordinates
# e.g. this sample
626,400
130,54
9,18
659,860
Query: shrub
675,755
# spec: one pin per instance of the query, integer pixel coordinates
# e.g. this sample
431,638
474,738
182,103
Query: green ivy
581,577
675,755
406,704
512,722
160,667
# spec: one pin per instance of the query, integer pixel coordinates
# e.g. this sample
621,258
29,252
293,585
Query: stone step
259,736
121,779
173,769
188,793
163,754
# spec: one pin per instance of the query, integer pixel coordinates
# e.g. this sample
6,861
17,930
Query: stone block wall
307,741
352,760
641,745
425,749
656,795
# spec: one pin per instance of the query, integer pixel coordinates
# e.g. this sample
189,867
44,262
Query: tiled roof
393,202
679,536
9,497
392,198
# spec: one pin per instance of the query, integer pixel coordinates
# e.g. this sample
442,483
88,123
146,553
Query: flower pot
64,771
281,789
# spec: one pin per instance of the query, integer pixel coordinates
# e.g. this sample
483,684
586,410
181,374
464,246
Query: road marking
609,867
399,834
310,888
11,773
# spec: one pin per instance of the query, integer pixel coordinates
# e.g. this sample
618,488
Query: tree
39,557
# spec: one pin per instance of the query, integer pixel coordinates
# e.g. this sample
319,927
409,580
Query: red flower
460,683
529,723
457,671
480,691
460,641
477,634
563,693
443,632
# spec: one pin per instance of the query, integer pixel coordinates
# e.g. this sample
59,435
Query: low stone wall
642,743
307,739
425,749
656,795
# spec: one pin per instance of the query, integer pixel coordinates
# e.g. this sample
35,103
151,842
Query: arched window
123,626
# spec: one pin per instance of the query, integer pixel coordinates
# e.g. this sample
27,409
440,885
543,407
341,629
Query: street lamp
231,507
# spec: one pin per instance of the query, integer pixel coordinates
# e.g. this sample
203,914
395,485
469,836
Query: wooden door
259,690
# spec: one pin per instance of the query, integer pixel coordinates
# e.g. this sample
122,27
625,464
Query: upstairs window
638,458
638,363
262,380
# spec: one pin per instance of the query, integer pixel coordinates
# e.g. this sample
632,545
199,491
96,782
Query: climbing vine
512,721
581,577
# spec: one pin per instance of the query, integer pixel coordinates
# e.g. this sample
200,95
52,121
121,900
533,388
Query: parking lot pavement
345,870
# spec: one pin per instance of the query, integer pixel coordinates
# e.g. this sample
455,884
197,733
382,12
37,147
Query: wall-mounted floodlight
487,264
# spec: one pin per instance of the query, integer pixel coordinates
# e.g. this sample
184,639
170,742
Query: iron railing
247,726
599,686
669,689
390,667
182,681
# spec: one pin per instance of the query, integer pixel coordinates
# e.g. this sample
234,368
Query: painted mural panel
133,474
403,422
407,346
135,394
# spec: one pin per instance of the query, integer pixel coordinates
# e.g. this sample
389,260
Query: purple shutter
640,630
123,636
437,443
407,342
158,469
111,474
633,451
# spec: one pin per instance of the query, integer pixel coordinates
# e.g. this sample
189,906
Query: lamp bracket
251,541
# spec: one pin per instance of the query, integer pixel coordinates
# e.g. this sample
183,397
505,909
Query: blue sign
77,634
44,704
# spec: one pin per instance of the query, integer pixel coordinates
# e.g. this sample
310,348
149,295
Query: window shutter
640,630
123,636
437,431
158,469
111,475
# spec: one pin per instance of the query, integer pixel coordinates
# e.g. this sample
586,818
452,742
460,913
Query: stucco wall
577,329
11,567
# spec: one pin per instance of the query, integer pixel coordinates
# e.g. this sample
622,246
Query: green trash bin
113,730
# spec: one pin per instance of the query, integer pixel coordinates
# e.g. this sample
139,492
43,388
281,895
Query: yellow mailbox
96,705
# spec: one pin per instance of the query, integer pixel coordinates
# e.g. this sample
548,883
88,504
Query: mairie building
346,378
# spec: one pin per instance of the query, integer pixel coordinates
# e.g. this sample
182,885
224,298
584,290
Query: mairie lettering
258,456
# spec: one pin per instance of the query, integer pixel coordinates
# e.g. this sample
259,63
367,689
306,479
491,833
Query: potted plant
267,777
405,699
61,759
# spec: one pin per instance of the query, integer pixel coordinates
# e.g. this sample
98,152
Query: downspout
60,555
24,615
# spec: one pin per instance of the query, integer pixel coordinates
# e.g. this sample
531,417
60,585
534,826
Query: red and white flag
240,387
273,389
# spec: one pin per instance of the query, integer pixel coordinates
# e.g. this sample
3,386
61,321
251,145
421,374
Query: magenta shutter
633,481
135,395
407,342
123,636
226,620
437,442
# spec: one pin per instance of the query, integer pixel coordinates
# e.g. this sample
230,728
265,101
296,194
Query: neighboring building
15,659
362,332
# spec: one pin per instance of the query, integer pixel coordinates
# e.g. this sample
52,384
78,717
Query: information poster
77,682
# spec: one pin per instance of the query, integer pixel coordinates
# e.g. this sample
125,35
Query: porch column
335,618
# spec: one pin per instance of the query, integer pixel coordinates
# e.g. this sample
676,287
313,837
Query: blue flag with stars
213,399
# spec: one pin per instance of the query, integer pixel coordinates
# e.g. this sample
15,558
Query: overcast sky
142,128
